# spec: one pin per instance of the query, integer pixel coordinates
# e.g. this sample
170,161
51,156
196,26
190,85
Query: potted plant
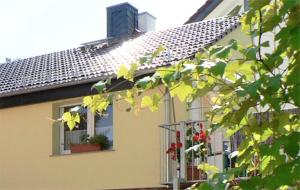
101,140
88,144
198,140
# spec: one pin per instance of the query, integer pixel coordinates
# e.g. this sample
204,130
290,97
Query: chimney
146,22
122,21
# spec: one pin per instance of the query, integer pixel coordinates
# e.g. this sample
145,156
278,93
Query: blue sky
34,27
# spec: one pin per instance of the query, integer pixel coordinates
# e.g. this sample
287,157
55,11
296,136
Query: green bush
100,139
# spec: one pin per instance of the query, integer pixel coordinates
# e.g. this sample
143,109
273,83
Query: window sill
82,153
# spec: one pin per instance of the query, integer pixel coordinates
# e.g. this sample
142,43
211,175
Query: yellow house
35,150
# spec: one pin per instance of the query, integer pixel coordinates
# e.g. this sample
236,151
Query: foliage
100,139
84,138
174,149
71,119
197,142
244,83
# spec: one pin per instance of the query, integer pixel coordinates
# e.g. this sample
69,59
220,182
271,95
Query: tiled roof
74,66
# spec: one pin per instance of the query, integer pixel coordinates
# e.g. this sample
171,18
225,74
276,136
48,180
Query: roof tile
75,66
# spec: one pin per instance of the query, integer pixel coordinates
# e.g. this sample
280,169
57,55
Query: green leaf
122,71
158,51
151,101
166,74
253,88
207,168
182,90
108,81
293,76
204,186
295,35
265,44
292,147
259,4
274,83
241,68
71,120
145,83
295,94
285,174
146,101
67,116
97,103
77,118
99,86
146,59
242,111
87,101
127,73
218,69
188,68
223,52
253,183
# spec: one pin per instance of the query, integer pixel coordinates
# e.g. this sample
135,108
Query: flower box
193,173
77,148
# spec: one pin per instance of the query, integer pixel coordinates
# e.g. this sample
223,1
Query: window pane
104,124
74,136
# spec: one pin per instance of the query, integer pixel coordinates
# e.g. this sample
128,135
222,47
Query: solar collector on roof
76,66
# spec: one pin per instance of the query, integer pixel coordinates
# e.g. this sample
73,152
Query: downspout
195,110
165,136
169,167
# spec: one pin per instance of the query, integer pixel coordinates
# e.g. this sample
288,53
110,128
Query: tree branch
259,44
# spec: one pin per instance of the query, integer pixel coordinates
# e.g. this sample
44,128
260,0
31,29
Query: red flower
179,144
202,136
196,137
178,134
173,145
173,157
170,150
201,125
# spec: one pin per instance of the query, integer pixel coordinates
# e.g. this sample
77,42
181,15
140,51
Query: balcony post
182,151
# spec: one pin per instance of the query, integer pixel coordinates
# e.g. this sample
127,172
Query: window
103,124
89,124
246,5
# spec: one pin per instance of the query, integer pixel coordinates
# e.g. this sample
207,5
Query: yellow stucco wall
27,146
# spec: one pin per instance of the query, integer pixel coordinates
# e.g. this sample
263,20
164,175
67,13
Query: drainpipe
195,111
165,136
170,168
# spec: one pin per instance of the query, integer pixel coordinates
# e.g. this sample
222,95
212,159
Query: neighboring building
33,91
217,8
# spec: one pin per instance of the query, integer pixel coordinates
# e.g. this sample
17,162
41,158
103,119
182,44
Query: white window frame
90,126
